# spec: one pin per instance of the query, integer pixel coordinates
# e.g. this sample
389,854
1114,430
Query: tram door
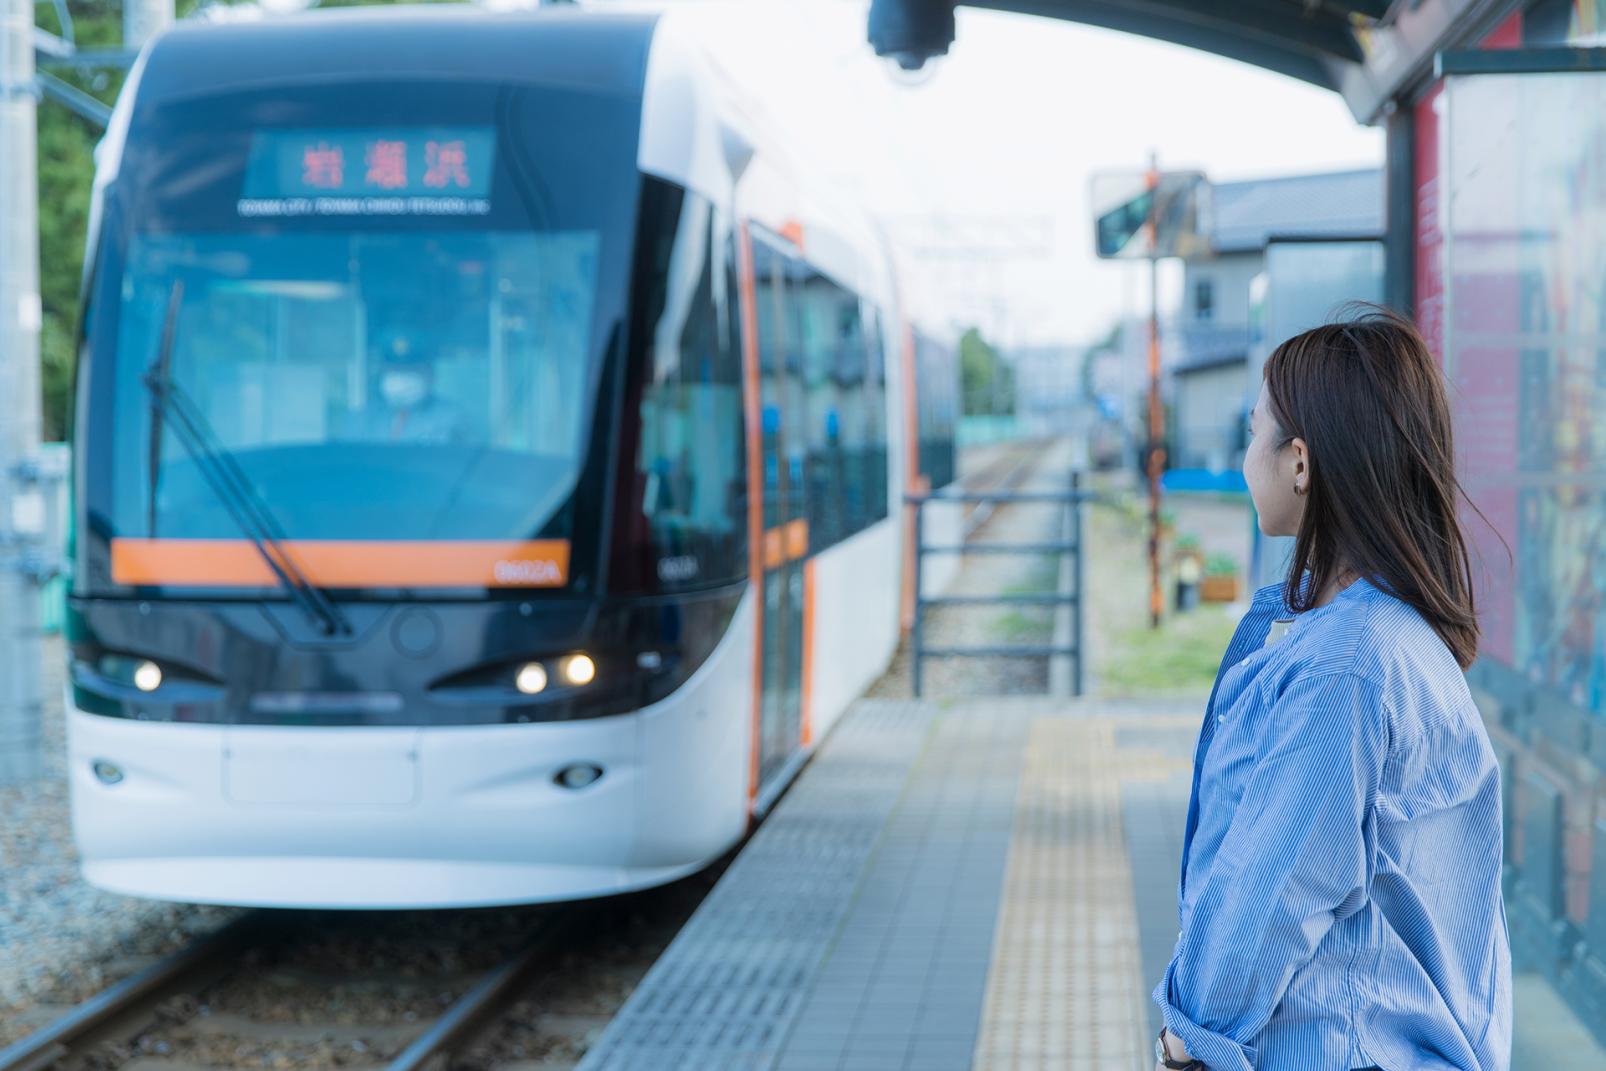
785,540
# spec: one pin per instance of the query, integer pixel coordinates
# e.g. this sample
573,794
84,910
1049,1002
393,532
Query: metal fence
1067,598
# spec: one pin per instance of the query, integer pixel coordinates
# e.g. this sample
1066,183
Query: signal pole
22,501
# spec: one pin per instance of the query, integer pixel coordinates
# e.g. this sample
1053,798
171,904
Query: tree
66,172
987,381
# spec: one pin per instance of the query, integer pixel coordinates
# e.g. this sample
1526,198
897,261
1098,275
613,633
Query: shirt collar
1270,597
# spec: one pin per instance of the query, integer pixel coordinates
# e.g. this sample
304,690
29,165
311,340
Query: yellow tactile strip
1064,989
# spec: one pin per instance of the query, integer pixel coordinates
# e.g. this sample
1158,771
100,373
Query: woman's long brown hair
1369,401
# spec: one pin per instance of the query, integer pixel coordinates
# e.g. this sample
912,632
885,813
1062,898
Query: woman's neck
1342,578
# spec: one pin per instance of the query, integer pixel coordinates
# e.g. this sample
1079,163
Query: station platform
959,884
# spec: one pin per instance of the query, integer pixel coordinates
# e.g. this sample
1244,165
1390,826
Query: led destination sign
397,171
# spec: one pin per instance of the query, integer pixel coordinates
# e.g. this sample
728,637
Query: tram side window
834,379
823,391
852,363
690,462
936,376
770,309
875,408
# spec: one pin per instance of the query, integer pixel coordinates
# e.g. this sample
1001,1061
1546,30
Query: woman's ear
1301,473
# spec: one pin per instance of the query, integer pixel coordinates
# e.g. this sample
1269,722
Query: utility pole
30,543
1156,416
22,501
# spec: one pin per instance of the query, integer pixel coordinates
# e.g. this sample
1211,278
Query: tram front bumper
375,817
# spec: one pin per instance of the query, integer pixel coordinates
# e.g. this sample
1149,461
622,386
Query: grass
1129,658
1181,656
1031,625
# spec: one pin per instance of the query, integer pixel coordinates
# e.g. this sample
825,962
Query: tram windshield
372,385
395,334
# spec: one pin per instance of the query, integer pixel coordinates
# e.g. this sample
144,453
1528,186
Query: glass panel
937,382
370,385
770,306
835,357
1525,352
415,356
691,462
1526,357
875,410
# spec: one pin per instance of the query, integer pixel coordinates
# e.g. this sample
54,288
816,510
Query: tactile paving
1066,988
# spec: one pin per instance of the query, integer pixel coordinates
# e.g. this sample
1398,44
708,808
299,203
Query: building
1208,358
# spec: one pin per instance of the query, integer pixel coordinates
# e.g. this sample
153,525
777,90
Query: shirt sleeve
1297,856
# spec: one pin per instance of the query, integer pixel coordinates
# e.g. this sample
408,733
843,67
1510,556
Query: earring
1300,491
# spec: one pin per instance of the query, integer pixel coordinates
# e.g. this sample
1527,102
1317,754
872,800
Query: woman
1340,897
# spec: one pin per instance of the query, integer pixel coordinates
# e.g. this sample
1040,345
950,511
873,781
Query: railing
1067,598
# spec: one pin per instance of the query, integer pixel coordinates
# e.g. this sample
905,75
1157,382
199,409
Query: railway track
180,1011
1005,473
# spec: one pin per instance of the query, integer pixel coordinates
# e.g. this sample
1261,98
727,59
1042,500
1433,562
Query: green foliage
1181,657
66,171
986,380
1221,565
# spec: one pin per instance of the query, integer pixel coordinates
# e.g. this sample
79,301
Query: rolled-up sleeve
1297,856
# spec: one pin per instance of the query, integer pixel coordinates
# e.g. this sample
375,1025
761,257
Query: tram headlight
578,669
531,678
147,676
132,671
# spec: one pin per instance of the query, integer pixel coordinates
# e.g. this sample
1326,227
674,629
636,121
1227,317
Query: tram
489,453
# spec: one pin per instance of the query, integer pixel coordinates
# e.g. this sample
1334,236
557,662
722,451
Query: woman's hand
1175,1050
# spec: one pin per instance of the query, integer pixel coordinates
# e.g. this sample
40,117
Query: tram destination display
388,172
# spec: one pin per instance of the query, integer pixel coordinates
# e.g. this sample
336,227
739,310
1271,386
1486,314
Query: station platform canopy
1367,50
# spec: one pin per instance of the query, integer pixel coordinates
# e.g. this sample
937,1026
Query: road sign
1125,203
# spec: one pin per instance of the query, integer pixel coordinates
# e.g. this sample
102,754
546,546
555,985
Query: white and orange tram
489,463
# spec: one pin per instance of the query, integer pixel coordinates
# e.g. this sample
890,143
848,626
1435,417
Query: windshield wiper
232,487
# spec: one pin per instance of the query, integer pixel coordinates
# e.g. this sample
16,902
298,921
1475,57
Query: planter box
1218,588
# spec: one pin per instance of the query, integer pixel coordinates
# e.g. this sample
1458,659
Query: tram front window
370,385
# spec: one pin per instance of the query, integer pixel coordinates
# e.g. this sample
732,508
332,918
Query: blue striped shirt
1340,897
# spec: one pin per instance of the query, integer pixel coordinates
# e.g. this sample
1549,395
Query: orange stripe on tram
796,536
774,549
205,563
913,481
752,409
808,653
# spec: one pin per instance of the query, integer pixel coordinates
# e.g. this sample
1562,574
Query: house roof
1244,215
1201,348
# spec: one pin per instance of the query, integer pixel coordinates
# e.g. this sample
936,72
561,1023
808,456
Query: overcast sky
1012,123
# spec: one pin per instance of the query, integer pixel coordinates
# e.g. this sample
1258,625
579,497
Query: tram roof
606,50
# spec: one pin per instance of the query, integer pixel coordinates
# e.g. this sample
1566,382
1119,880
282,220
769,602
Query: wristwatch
1164,1057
